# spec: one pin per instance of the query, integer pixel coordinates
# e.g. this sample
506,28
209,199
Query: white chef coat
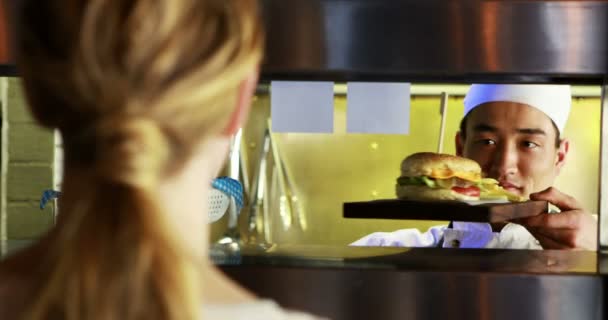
461,235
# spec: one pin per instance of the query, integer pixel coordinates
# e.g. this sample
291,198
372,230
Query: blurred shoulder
18,277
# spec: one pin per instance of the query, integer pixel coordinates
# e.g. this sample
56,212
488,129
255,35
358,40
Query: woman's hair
134,87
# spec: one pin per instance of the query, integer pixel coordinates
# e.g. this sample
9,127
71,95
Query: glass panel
308,177
603,197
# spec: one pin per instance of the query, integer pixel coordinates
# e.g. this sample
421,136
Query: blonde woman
146,94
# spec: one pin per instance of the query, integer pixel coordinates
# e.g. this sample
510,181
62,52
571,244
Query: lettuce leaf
417,181
491,190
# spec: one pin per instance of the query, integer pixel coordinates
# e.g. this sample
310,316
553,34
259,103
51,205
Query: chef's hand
572,228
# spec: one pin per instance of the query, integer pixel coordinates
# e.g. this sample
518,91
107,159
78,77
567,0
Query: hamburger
435,176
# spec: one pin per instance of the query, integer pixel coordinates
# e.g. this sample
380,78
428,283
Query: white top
462,235
256,310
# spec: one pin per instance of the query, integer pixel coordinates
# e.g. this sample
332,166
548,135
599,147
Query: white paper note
302,106
376,107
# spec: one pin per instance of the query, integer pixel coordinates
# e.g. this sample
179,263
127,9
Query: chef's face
515,144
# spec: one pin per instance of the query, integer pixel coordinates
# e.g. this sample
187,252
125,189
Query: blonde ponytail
133,151
117,257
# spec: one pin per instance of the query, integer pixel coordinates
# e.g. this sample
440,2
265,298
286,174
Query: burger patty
435,183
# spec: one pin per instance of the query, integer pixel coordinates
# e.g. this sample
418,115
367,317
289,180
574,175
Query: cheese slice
447,173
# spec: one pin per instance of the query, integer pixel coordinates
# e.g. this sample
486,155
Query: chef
515,132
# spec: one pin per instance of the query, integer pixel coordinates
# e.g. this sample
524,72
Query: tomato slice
471,191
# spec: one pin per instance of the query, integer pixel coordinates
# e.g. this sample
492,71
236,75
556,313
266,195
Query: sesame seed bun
440,166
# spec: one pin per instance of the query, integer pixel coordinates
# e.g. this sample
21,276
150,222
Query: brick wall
28,157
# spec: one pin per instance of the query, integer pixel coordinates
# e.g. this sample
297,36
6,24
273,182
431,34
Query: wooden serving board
442,210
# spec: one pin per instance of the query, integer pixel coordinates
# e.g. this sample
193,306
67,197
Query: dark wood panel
4,42
442,210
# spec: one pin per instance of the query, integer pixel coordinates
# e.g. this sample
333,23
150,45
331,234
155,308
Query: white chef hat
553,100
